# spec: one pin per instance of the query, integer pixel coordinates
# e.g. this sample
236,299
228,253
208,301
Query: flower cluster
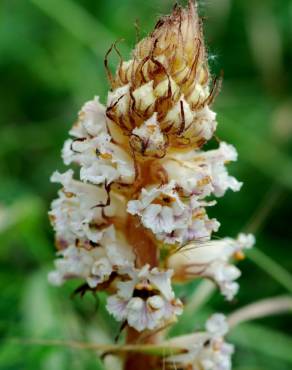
134,219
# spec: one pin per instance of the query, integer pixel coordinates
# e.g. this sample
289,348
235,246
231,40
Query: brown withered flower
167,85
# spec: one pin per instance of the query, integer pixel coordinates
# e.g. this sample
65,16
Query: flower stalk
136,220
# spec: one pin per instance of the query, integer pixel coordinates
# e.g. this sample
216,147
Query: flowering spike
136,220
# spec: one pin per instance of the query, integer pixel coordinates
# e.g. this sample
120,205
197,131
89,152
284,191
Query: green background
51,62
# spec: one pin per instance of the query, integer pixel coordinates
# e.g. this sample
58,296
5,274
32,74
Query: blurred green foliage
51,62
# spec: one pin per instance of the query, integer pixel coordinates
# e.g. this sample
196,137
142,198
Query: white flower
145,300
205,350
92,148
205,123
76,213
220,179
217,325
93,264
148,138
110,164
245,241
211,260
77,262
189,176
160,209
203,173
171,220
86,150
199,227
91,120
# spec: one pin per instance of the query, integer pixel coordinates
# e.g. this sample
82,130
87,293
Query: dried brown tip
167,75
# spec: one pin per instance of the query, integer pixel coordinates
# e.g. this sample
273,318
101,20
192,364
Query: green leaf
263,340
272,268
261,153
86,28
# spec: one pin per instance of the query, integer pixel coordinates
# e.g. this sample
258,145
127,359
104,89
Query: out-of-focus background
51,62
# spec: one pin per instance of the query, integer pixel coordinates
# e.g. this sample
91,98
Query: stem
143,244
263,308
201,296
140,361
145,349
146,253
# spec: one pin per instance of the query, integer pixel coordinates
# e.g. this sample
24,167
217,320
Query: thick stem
138,361
142,242
146,252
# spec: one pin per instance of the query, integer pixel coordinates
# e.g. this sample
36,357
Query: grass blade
272,268
265,341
